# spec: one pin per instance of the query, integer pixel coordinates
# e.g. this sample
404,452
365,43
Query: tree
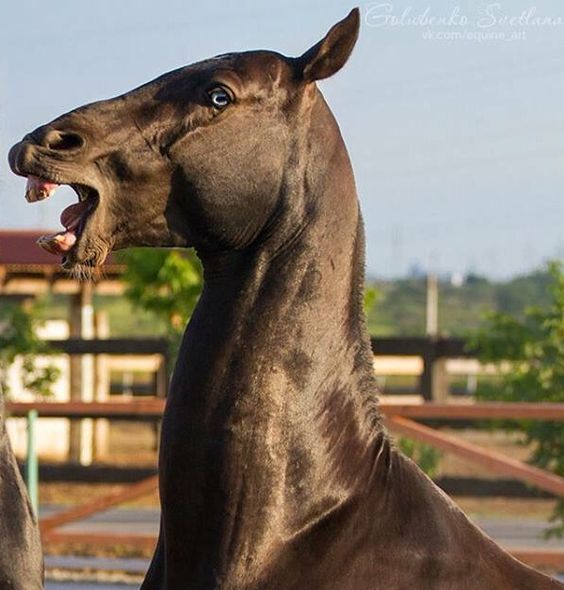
371,296
533,345
427,457
18,338
166,283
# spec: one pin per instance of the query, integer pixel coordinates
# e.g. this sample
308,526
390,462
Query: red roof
18,247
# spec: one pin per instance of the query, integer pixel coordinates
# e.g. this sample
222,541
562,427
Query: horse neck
275,367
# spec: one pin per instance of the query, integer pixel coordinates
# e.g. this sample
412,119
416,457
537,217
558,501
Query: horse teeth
38,189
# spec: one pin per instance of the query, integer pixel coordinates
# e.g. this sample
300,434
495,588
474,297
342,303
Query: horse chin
81,272
84,260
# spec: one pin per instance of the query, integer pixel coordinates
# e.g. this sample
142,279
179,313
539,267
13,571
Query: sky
452,111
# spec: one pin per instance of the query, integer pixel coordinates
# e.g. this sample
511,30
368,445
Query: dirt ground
499,441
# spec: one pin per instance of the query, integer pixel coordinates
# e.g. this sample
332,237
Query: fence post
426,377
31,467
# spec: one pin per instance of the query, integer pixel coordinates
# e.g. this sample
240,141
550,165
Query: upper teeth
38,189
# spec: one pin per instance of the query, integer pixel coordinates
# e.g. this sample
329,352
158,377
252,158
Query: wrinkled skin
21,560
275,470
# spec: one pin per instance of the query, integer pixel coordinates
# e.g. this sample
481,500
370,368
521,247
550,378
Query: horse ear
331,53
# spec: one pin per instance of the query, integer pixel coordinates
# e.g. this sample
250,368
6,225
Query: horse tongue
62,242
70,217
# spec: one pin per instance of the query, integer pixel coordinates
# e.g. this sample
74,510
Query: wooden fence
400,418
430,350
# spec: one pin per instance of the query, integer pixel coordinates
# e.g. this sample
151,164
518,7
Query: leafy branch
18,338
534,348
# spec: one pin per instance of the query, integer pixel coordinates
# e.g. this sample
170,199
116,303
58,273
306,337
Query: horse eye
219,98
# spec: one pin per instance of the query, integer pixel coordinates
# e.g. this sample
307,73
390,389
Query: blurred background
452,114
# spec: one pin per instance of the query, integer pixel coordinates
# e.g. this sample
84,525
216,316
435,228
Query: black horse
21,560
275,470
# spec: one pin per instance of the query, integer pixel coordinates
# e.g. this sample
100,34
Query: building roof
19,248
26,270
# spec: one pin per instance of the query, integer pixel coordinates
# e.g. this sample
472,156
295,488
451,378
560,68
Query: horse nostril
63,140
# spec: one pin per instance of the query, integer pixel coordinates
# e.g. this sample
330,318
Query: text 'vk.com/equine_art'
275,470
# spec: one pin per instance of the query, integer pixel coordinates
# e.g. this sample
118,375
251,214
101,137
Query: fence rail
550,412
153,408
489,459
118,346
150,409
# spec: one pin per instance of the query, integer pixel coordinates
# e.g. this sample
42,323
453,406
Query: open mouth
73,218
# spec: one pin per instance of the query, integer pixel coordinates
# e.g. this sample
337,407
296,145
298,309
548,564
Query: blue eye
219,98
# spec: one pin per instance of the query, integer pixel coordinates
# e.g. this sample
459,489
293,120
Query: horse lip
26,159
29,159
80,254
19,157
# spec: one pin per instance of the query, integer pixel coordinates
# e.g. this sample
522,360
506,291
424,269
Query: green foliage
401,303
427,457
533,344
371,296
166,283
18,325
400,310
